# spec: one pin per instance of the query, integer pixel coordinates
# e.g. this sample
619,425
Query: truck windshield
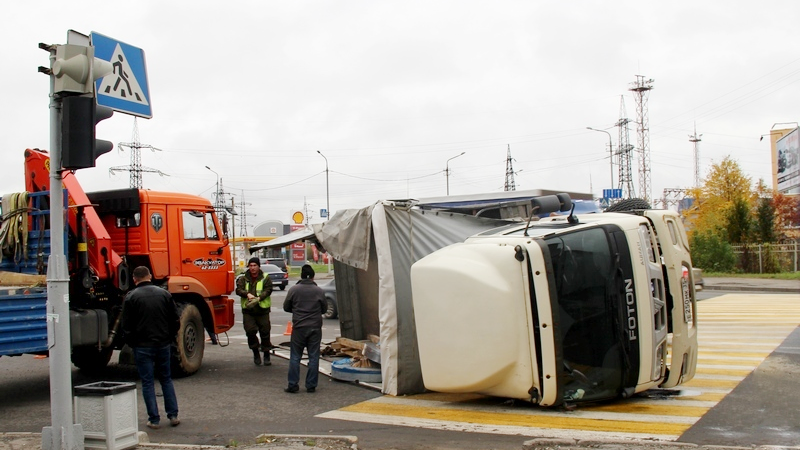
588,306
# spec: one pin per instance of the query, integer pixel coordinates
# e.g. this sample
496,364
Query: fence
769,258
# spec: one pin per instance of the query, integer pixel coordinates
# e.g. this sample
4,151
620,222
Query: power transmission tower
510,186
695,139
641,89
243,213
624,152
671,197
136,167
219,199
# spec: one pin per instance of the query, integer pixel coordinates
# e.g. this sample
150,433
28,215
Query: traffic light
75,68
79,148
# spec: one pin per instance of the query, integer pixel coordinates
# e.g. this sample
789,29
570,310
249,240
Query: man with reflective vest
255,288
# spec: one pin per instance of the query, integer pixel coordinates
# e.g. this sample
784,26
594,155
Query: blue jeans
153,362
308,338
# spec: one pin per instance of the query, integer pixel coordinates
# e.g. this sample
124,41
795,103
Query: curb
33,441
566,444
722,287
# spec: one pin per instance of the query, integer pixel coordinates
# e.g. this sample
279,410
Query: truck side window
211,228
194,225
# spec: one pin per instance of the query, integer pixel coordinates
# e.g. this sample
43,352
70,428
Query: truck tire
331,312
89,359
188,353
629,204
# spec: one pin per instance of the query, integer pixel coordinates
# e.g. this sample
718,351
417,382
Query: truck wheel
331,312
188,356
89,359
629,204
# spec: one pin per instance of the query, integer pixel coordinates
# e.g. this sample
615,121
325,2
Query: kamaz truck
107,234
561,309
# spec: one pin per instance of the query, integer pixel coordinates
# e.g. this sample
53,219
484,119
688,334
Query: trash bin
108,414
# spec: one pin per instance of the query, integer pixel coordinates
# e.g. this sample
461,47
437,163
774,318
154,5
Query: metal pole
327,188
217,202
610,153
233,234
447,171
63,434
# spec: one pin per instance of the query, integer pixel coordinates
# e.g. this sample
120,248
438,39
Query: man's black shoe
292,389
267,362
256,358
311,390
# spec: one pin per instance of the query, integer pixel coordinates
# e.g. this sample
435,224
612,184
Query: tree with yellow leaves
714,202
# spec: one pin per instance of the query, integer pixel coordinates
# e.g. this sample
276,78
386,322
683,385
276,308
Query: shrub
710,252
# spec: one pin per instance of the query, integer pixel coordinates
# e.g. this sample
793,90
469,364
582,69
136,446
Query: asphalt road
230,401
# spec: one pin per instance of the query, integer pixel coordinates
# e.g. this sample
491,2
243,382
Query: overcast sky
389,91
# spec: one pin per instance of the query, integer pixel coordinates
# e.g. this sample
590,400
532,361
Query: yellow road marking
519,420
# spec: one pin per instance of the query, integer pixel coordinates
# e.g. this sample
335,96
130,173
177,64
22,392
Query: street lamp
447,171
610,153
216,195
327,187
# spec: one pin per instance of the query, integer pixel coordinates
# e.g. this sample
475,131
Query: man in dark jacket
254,288
306,302
150,322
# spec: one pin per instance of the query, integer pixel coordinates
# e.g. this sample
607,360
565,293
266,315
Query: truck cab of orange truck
178,236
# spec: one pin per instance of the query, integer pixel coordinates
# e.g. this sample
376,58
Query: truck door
202,250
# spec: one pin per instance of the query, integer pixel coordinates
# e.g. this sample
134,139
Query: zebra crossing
736,332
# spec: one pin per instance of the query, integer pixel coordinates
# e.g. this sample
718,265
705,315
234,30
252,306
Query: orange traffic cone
288,331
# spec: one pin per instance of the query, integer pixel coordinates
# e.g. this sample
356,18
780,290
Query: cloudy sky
389,91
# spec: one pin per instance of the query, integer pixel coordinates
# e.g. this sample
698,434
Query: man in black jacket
150,322
306,302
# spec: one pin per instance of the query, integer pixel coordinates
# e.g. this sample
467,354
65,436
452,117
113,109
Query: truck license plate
687,301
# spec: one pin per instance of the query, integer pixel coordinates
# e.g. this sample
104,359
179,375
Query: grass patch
318,268
774,276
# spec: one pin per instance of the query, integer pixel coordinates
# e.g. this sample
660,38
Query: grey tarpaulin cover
401,235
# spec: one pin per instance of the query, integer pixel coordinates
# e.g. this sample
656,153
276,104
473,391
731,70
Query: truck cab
562,310
108,233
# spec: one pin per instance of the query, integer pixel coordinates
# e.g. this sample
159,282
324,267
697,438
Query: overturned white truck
561,310
574,309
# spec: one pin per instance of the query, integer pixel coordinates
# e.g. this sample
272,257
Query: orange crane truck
107,234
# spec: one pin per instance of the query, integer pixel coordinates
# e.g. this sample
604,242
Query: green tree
738,223
764,226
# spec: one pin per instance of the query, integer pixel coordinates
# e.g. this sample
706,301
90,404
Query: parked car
699,284
280,262
279,278
329,289
697,276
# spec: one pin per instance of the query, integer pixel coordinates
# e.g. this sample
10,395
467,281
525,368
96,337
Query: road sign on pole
125,89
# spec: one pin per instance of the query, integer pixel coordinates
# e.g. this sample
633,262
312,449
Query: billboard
787,151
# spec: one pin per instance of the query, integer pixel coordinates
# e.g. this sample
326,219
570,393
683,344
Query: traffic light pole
63,434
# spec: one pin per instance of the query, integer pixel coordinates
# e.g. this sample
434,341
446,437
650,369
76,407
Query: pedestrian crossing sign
125,89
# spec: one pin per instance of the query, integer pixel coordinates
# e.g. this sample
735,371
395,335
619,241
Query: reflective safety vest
267,302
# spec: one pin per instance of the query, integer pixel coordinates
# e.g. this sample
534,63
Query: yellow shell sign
298,217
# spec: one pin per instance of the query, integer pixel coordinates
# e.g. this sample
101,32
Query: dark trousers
305,338
254,326
153,363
